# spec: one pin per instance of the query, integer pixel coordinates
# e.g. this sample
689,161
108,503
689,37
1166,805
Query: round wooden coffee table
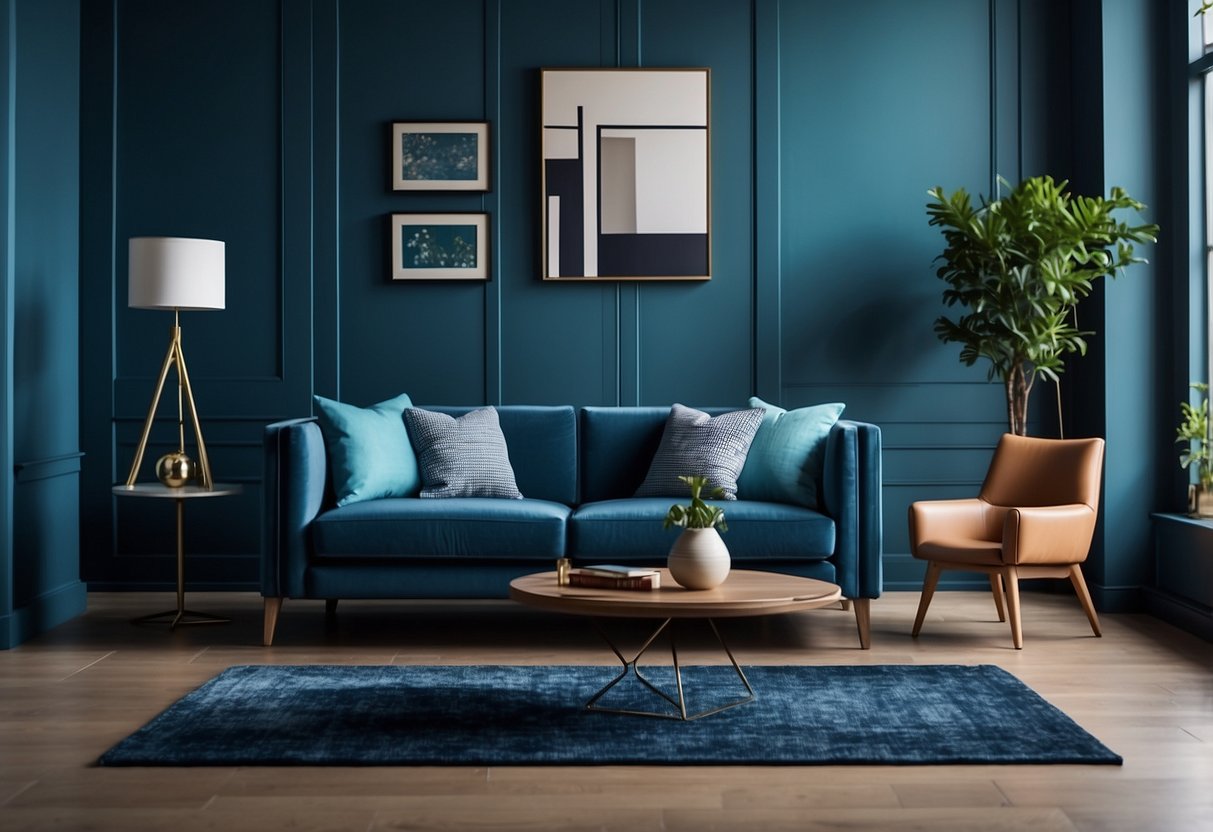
745,593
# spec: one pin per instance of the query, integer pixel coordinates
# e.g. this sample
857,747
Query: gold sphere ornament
175,469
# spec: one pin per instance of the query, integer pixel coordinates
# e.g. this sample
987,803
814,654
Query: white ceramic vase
699,559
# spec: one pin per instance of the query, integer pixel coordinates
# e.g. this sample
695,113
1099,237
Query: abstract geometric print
626,173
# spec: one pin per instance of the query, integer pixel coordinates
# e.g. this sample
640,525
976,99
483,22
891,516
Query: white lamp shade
175,273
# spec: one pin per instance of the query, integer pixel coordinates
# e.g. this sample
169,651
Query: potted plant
1020,265
1193,433
698,558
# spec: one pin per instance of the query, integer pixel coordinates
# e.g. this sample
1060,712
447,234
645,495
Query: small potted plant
698,558
1193,434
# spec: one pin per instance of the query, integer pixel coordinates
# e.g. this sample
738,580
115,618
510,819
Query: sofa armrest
851,492
296,473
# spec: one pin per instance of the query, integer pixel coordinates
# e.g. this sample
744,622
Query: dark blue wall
39,250
265,124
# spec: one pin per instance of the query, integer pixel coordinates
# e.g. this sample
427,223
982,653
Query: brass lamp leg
170,359
175,357
203,459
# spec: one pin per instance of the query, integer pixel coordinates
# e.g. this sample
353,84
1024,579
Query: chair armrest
296,478
1048,534
851,494
940,520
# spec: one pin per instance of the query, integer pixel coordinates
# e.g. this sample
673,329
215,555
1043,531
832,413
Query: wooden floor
1145,689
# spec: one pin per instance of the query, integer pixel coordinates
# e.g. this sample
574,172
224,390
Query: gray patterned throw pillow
696,444
464,457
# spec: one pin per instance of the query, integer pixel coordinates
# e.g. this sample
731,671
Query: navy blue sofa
577,470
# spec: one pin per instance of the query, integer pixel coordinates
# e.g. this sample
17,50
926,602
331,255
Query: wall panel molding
768,198
60,465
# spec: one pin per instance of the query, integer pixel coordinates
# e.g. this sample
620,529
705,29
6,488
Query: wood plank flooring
1145,689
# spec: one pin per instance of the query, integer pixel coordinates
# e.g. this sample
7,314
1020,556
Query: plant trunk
1019,387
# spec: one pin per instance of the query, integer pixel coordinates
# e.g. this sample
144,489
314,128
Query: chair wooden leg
863,620
996,588
845,604
330,607
1010,581
928,590
1080,587
272,608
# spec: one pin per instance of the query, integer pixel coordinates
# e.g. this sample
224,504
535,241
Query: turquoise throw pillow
369,451
786,457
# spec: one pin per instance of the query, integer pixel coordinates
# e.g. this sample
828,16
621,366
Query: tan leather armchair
1034,518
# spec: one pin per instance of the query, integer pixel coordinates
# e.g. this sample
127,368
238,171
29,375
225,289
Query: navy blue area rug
518,715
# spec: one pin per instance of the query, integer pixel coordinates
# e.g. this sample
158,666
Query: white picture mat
479,272
480,183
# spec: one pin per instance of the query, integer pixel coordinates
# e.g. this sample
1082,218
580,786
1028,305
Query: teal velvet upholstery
485,527
368,449
631,530
786,457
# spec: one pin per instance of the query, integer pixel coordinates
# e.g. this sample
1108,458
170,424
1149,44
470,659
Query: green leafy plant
1019,265
1193,432
698,515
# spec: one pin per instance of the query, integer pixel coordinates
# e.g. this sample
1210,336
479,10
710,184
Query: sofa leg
330,607
844,604
272,608
863,620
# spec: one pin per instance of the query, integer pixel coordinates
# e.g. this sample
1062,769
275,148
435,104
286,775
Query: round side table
155,490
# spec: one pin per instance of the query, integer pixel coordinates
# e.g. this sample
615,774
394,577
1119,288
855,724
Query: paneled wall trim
40,453
830,122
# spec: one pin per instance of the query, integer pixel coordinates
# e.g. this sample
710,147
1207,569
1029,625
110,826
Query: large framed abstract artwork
440,156
626,168
440,247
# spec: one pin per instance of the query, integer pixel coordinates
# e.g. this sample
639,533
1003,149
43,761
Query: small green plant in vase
698,515
698,558
1193,433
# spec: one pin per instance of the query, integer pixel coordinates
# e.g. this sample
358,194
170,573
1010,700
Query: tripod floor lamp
176,273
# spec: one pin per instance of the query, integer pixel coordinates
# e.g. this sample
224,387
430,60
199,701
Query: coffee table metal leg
630,665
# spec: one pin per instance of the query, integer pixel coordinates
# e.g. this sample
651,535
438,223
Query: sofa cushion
368,449
463,456
631,530
786,457
542,442
696,444
471,527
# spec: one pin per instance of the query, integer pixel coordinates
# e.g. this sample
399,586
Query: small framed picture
440,246
440,156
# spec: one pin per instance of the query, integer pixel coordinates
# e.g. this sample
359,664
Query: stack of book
609,576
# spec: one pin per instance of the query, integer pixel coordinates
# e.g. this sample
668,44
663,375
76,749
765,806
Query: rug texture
511,715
